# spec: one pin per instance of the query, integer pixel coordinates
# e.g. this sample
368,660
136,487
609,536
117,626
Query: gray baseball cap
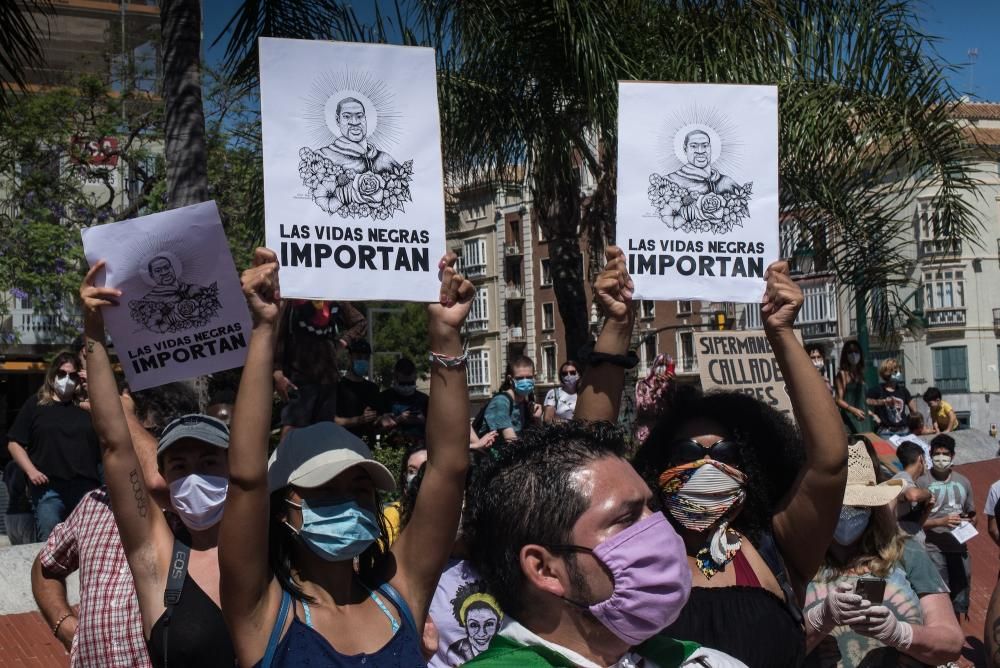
197,426
312,456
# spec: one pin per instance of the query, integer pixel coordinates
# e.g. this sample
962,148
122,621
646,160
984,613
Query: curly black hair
771,453
465,591
526,495
157,406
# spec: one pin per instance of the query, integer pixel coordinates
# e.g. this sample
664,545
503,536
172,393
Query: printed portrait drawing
696,194
172,305
479,614
348,170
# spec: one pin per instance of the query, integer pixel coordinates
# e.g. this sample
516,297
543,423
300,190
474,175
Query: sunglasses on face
73,375
689,450
569,372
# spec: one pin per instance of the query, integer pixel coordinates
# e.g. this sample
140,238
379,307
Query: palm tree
864,104
184,117
20,28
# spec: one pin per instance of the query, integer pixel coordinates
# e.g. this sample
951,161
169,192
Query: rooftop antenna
973,55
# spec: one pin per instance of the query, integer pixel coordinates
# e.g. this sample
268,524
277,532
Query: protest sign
742,362
698,188
353,185
182,312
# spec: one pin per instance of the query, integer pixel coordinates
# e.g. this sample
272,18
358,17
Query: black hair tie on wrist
627,361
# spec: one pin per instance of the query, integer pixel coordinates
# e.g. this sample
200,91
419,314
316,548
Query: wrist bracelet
626,361
449,361
55,627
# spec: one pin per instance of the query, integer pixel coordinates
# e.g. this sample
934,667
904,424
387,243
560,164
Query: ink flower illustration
711,206
173,305
351,175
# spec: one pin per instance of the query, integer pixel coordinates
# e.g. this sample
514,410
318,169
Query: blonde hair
880,549
887,368
47,392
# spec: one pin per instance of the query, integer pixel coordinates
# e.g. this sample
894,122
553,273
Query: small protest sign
353,184
182,312
698,188
742,362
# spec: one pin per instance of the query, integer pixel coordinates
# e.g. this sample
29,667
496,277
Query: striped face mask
698,494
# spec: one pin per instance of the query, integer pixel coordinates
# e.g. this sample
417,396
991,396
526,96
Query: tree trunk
184,122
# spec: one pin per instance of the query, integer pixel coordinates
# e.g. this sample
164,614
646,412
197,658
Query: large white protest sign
698,188
353,185
182,312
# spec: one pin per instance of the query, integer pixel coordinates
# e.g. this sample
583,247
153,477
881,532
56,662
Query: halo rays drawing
351,120
698,148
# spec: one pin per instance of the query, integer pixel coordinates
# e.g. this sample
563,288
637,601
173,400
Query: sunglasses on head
73,375
689,450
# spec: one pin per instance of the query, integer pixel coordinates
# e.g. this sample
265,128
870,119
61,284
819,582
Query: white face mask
569,382
65,387
199,499
819,364
941,462
853,358
852,523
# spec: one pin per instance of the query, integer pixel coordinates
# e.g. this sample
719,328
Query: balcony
479,390
946,317
826,329
940,247
996,319
515,292
515,334
512,250
473,326
474,270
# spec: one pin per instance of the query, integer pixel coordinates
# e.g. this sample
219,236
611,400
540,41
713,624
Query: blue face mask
524,385
337,531
361,367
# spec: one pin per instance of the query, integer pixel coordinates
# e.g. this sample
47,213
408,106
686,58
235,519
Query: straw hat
862,489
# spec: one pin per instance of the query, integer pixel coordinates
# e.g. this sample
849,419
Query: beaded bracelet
55,627
449,361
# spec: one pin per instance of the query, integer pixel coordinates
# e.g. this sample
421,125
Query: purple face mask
651,577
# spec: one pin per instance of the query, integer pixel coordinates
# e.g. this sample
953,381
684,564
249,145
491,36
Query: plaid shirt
109,632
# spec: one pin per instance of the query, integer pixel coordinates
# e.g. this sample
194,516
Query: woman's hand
880,623
613,287
782,300
37,477
456,298
260,286
92,298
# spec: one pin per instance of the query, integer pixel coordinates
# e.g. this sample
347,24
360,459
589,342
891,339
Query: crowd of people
535,533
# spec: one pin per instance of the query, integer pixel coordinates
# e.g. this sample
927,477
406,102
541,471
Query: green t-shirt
912,578
505,653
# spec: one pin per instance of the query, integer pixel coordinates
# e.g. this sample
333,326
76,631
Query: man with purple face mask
560,529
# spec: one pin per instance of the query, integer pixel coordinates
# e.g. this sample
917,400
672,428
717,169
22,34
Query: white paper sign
964,532
353,185
182,312
698,188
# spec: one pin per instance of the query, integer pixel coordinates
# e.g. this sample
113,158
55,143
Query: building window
648,351
478,366
549,364
648,308
548,316
684,308
752,318
479,312
685,348
929,225
546,266
474,257
951,369
944,296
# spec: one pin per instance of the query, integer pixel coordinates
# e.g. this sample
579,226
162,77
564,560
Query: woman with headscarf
878,599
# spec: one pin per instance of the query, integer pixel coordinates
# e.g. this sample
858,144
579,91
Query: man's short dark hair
160,405
915,422
149,266
932,394
688,136
405,367
527,496
943,441
909,453
350,99
360,347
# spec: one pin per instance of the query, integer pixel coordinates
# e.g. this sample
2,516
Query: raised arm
423,546
600,393
249,602
145,534
804,525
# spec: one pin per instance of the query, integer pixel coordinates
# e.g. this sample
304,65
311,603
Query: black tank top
197,638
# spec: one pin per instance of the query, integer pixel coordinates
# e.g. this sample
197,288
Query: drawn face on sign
162,271
481,625
351,119
698,149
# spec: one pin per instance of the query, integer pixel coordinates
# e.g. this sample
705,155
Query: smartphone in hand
871,589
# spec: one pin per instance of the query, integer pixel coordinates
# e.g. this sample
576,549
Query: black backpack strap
175,587
768,550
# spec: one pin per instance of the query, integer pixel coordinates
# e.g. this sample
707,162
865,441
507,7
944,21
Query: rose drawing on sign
698,197
350,176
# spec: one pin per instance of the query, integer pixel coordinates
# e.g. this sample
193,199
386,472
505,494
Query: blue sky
961,25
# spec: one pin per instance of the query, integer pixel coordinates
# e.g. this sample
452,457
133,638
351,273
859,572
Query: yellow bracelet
55,628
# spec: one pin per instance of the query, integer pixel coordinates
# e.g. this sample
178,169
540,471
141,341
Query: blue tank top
304,646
